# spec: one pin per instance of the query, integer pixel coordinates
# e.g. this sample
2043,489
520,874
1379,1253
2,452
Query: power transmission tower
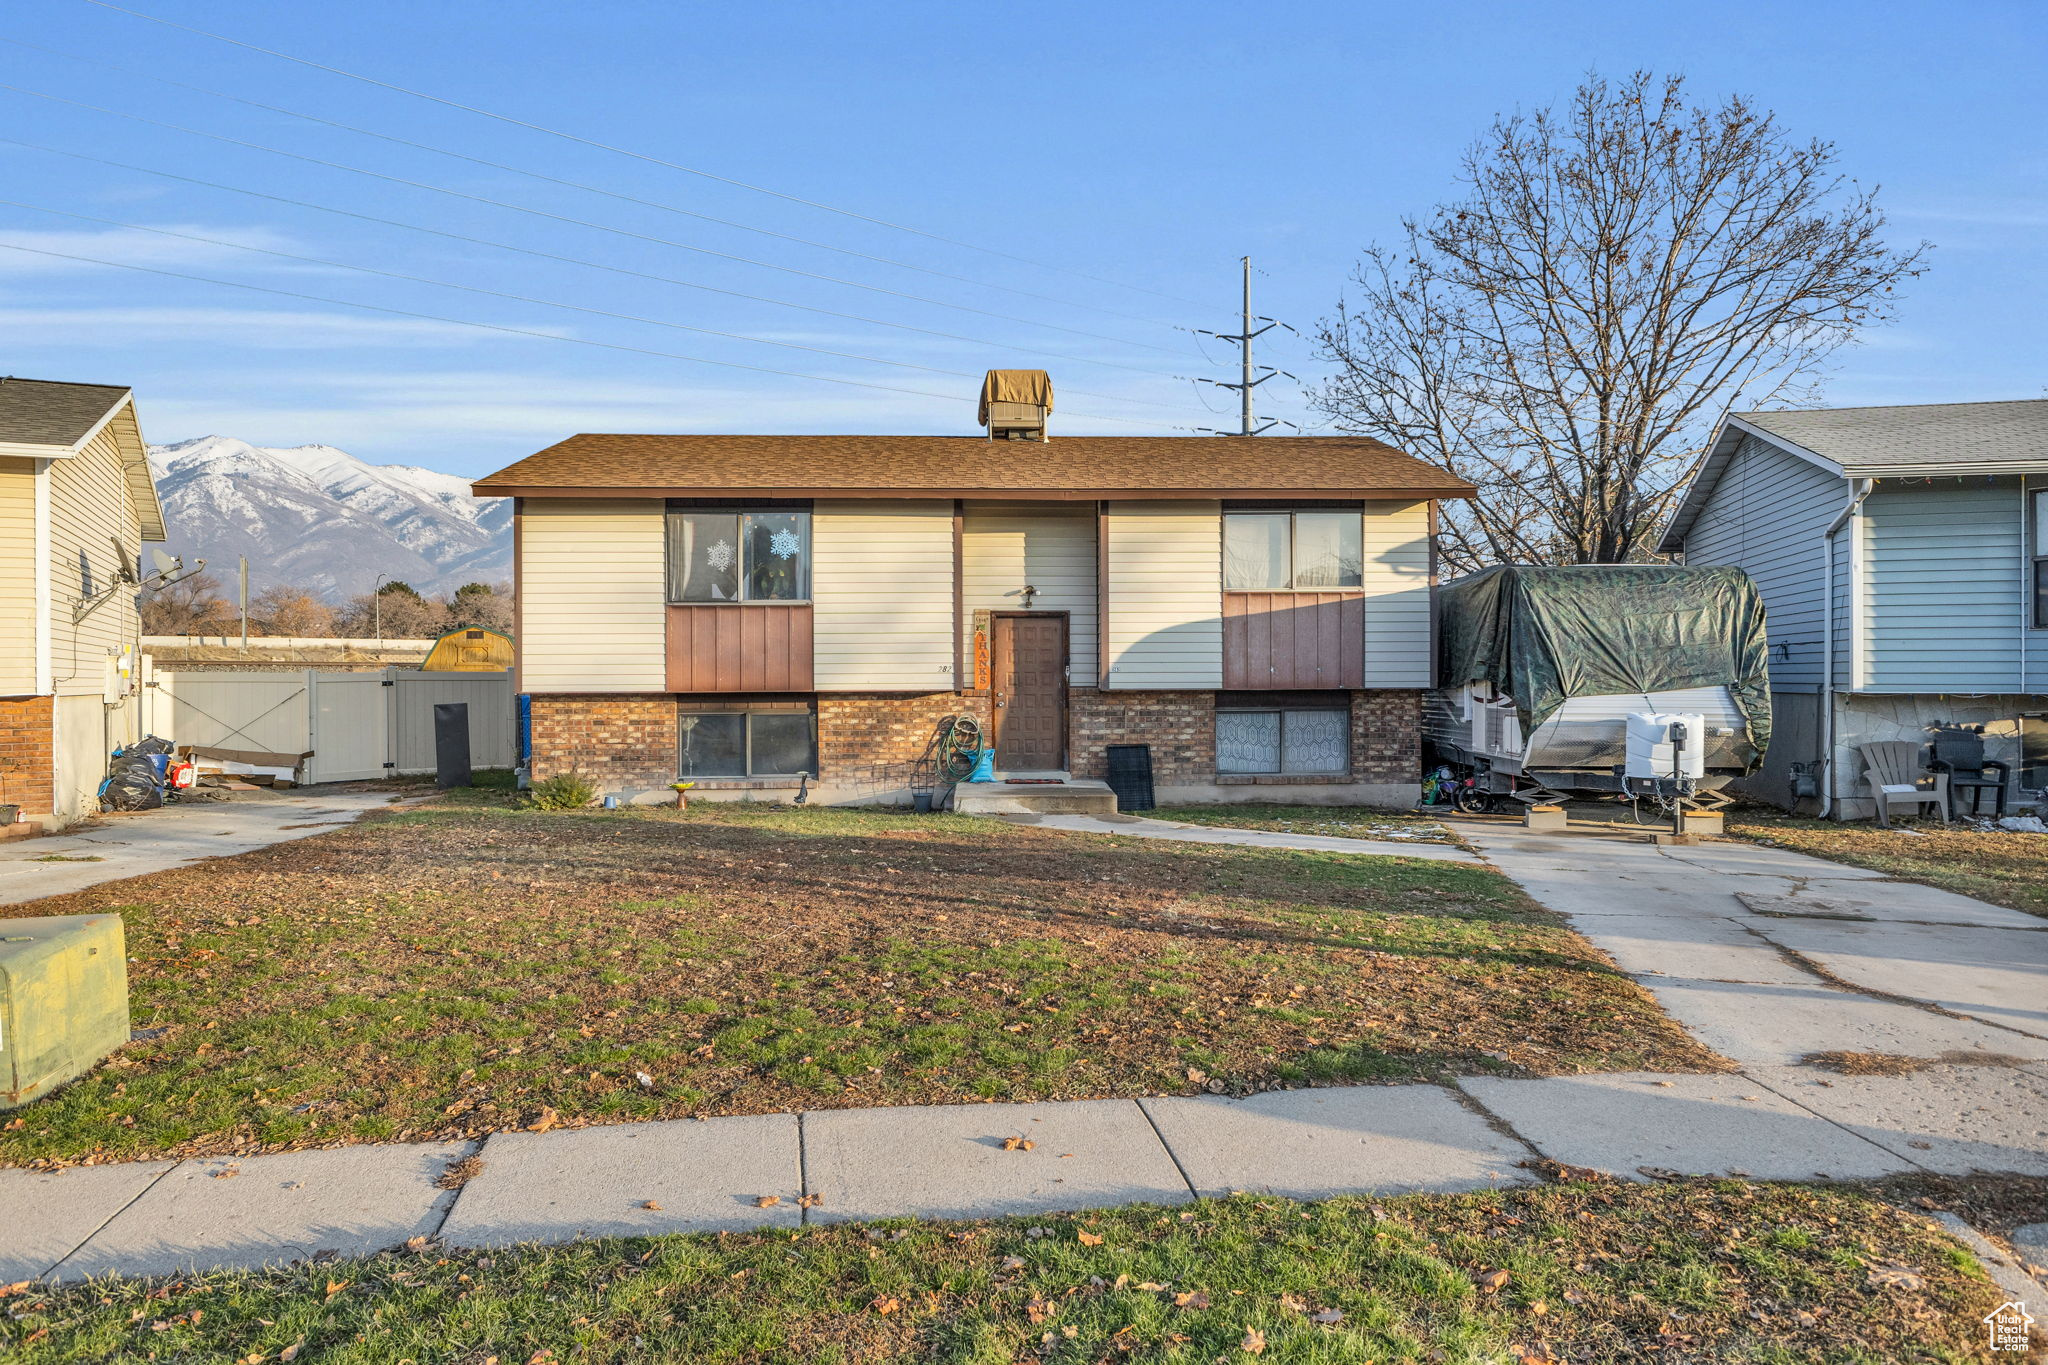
1248,425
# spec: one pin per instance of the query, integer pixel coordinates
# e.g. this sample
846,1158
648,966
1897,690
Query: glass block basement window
1280,741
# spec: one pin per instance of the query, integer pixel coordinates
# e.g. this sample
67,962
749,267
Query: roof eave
524,490
1714,463
1946,471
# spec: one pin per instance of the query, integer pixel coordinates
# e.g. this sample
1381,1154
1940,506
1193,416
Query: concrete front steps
1069,796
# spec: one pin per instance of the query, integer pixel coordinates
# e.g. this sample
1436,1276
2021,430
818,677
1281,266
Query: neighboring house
739,610
1902,554
76,504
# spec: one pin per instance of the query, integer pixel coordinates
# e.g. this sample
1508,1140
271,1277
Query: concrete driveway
132,844
1768,955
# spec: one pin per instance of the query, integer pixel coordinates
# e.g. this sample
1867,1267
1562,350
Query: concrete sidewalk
130,845
1768,956
788,1170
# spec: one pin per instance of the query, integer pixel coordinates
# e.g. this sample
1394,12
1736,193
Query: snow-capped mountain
317,517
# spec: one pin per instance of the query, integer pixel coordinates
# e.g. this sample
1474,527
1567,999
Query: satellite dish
127,561
165,564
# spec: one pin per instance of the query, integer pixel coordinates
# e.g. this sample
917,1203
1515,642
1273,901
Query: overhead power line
628,152
579,222
523,331
544,303
580,261
579,185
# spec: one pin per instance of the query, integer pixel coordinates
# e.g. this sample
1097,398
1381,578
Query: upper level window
1267,551
739,555
2038,544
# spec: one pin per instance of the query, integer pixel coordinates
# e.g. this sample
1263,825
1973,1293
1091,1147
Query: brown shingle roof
971,466
52,412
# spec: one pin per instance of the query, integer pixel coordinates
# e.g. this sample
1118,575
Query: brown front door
1028,677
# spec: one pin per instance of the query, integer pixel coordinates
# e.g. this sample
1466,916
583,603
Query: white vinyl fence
357,725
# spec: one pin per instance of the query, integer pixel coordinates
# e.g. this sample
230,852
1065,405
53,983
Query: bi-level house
76,505
742,610
1902,556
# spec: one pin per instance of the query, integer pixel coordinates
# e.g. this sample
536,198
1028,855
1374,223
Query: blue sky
1142,148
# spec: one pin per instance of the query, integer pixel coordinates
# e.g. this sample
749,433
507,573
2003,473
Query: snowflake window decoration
720,556
784,544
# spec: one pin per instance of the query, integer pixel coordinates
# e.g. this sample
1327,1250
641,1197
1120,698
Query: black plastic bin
1130,775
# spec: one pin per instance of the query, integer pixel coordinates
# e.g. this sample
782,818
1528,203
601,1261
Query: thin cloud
269,329
126,246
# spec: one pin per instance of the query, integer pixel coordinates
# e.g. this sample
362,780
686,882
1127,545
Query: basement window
1264,741
775,740
739,554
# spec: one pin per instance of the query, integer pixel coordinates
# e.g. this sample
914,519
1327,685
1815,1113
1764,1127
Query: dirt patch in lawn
1999,866
1893,1064
1688,1272
457,970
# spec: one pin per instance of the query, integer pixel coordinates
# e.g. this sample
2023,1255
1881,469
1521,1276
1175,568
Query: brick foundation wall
28,753
620,742
1386,736
871,740
1180,727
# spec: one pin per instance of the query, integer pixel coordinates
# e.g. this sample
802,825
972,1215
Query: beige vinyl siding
17,577
1049,546
1165,595
1398,641
90,505
882,596
592,595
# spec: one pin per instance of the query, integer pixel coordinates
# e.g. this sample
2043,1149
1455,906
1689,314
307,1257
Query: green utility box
63,1000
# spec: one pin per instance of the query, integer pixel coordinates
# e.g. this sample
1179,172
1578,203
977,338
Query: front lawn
1694,1271
1343,822
464,967
1998,866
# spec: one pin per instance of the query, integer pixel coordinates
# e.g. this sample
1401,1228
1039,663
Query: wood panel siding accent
882,588
1048,546
592,589
1399,650
1300,640
1163,573
18,572
739,647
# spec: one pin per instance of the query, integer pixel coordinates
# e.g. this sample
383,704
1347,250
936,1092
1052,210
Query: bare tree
1614,274
481,604
285,610
188,606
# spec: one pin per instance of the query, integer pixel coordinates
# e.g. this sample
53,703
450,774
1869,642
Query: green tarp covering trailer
1541,669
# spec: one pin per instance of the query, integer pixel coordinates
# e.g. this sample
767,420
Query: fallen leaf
884,1305
1152,1287
1019,1143
767,1201
1491,1280
1327,1315
418,1243
1254,1342
1895,1277
1013,1262
335,1287
1038,1310
546,1119
18,1287
291,1352
1087,1238
650,1205
1194,1298
1294,1303
809,1201
1660,1173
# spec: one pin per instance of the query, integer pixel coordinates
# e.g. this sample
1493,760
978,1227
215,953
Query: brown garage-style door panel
740,647
1293,639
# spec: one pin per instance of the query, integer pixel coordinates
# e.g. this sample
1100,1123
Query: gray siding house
1902,555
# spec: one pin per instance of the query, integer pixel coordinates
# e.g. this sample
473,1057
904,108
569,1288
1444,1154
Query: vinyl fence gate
357,725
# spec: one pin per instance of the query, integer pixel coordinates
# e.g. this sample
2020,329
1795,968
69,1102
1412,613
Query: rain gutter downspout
1859,489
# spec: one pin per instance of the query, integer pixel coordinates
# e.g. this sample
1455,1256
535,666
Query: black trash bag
148,744
132,790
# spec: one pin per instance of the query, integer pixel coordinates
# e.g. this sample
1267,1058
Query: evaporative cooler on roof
1015,404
